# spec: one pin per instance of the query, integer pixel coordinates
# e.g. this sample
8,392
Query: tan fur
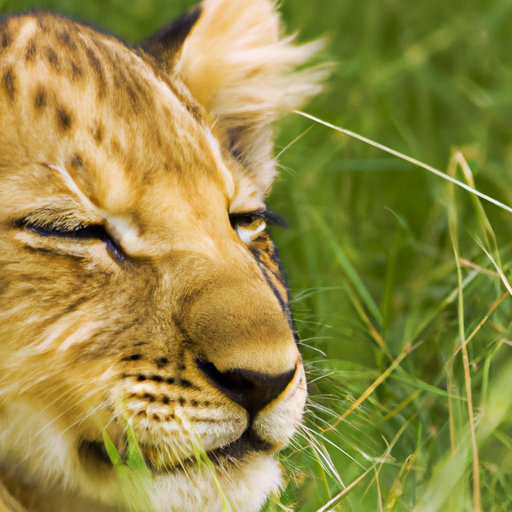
241,73
157,147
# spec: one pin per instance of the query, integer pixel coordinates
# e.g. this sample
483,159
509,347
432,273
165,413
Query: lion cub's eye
77,232
83,232
249,225
248,232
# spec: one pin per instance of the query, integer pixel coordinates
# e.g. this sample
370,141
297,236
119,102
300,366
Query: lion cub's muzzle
229,380
224,414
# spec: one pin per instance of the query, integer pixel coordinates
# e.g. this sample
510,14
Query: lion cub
140,293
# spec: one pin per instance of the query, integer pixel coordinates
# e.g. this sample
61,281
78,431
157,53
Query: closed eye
75,232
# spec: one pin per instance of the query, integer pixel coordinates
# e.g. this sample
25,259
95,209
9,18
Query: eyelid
67,230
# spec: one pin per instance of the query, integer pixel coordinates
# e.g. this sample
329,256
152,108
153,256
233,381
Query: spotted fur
127,300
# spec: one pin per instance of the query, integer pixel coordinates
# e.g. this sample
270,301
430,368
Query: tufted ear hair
165,45
237,66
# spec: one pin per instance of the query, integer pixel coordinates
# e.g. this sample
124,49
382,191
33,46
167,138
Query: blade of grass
405,352
347,490
494,305
451,470
453,226
204,460
347,267
397,488
387,454
403,404
498,269
296,139
134,476
485,226
407,158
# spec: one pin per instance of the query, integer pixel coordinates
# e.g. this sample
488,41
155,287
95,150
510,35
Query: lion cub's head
138,286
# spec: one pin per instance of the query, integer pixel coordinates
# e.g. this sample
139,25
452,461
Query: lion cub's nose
253,391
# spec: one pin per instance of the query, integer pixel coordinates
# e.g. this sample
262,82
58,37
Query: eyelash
84,232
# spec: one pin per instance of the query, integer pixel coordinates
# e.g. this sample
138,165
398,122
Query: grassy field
399,277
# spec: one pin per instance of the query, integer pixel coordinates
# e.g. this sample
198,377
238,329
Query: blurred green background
371,257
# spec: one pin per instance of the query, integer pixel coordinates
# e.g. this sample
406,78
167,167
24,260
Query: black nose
251,390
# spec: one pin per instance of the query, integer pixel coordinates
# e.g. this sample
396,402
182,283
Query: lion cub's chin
247,485
243,483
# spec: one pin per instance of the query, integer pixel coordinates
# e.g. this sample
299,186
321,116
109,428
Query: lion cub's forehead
82,102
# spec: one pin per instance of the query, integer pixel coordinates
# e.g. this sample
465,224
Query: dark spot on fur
157,378
141,413
170,380
143,92
206,403
116,79
157,137
138,86
186,383
9,82
141,378
162,361
194,110
149,396
131,95
40,98
53,58
76,71
182,401
97,133
133,357
76,304
64,119
5,40
156,417
115,145
65,39
95,63
166,400
42,24
194,403
77,162
31,51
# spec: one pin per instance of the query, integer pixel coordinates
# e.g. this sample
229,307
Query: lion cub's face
138,285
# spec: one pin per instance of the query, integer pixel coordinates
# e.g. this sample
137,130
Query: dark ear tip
165,44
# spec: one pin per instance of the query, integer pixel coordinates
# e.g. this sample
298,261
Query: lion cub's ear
230,55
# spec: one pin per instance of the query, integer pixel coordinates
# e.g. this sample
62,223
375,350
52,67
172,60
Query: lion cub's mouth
93,452
94,456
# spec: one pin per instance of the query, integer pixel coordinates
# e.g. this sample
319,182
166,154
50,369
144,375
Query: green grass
387,260
135,477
